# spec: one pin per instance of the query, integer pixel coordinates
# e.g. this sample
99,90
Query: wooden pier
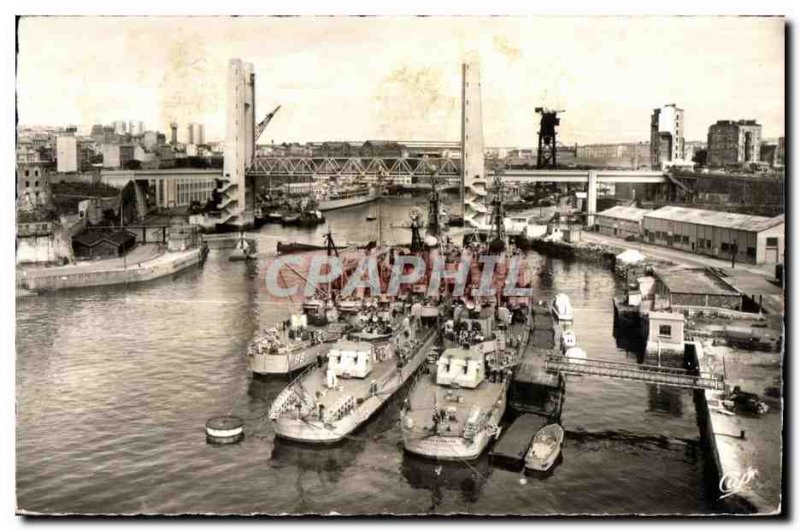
516,439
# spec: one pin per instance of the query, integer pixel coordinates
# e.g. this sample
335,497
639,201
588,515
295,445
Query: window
685,240
724,247
772,242
751,252
664,330
27,172
708,244
27,184
36,183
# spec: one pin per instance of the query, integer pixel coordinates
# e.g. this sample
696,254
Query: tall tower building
136,127
474,187
173,137
666,136
237,201
119,127
190,134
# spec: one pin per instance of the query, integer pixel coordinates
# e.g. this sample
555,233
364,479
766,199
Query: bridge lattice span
636,372
355,166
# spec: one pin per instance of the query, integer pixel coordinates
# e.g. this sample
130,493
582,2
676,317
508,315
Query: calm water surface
114,386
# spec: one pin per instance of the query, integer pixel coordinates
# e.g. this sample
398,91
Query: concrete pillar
140,188
591,198
472,154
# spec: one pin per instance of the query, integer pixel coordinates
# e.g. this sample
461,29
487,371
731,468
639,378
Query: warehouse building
694,287
621,221
724,235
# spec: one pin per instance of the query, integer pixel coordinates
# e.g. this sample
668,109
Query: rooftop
625,212
713,218
695,281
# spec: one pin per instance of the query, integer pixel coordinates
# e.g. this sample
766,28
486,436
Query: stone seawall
63,278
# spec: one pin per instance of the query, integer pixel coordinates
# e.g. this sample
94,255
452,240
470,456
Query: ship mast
497,236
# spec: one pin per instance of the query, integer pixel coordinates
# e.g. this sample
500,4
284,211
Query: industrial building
725,235
621,221
694,287
733,143
666,136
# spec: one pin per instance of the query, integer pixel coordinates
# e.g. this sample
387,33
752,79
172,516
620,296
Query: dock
515,440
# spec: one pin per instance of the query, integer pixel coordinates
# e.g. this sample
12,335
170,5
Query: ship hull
269,364
313,431
454,448
336,204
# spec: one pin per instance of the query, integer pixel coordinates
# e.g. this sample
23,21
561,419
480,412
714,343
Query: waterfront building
733,143
665,332
100,244
694,287
725,235
666,136
621,221
167,188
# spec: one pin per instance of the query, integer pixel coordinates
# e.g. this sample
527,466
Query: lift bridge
636,372
365,167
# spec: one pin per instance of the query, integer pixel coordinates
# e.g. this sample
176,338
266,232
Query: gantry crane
546,154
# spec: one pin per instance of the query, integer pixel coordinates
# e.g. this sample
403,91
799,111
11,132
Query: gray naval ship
362,370
454,407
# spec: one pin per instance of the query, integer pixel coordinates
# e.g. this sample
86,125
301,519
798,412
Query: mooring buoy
224,430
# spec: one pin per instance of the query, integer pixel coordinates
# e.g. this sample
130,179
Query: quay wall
721,463
58,278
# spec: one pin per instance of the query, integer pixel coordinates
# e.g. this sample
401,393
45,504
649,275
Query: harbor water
114,386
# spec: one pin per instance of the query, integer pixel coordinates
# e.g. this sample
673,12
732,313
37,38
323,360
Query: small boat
242,251
562,308
545,448
291,219
568,340
296,247
275,216
575,355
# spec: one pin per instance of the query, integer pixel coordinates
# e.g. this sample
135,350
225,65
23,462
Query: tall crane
264,123
546,154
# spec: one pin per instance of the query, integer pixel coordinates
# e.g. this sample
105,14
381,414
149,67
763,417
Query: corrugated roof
625,212
713,218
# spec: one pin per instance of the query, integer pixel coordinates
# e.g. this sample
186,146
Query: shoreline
31,280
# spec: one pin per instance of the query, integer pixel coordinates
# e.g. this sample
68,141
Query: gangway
637,372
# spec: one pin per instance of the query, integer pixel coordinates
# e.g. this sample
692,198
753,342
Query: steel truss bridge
636,372
368,167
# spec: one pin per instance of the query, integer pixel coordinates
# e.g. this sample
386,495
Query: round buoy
224,430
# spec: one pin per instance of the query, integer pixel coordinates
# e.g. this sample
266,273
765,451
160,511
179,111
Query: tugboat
328,402
454,409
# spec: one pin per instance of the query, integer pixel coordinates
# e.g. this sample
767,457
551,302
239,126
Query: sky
394,78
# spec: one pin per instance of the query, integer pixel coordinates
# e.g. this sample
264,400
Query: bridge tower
546,153
236,198
473,178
